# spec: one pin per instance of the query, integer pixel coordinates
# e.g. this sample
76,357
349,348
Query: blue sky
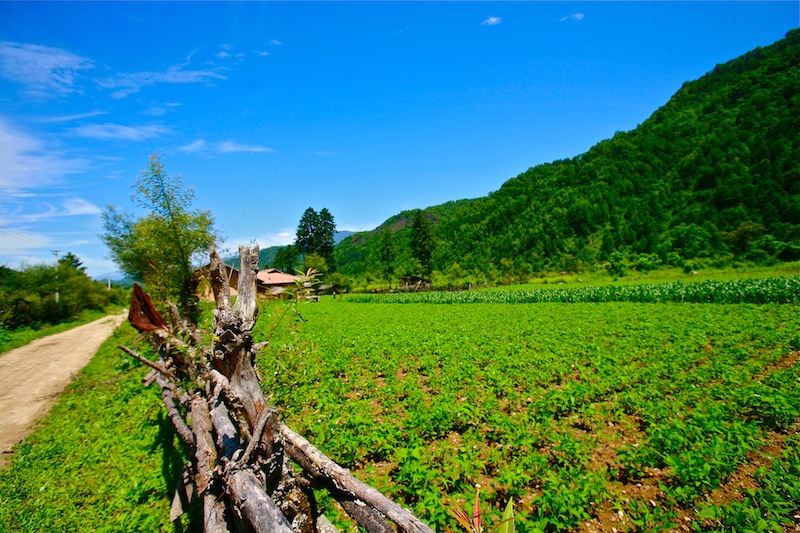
366,108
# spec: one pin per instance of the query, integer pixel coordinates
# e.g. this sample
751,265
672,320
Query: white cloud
120,132
128,84
577,17
27,164
69,118
154,111
196,146
262,53
45,71
327,153
222,55
79,206
224,147
275,42
231,146
265,241
492,21
18,212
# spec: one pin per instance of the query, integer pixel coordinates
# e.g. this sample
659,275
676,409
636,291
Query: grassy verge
104,459
14,339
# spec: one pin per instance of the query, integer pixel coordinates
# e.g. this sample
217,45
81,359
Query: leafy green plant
474,524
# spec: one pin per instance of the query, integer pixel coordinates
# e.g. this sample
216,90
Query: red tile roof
273,276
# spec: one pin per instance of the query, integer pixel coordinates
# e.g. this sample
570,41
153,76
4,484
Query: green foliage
387,253
28,296
422,242
104,459
285,259
163,248
315,237
710,177
766,290
426,400
20,337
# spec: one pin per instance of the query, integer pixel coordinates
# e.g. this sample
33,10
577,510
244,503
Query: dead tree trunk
244,457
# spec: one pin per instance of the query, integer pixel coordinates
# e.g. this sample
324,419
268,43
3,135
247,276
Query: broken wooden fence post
240,447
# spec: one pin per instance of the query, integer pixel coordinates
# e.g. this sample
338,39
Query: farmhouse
270,282
275,282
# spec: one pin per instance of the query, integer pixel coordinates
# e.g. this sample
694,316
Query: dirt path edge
32,376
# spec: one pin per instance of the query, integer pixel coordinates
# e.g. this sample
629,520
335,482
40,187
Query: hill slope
712,176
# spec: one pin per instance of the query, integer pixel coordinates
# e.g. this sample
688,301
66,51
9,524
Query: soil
32,376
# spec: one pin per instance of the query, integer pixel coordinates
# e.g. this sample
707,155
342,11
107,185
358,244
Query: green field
591,416
627,415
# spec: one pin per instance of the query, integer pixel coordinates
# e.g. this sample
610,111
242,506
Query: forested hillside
711,177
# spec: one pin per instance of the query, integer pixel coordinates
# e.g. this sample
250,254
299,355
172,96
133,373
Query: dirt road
31,377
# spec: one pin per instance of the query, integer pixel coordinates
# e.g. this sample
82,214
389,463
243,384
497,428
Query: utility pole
55,253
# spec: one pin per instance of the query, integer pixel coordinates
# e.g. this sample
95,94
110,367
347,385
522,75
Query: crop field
591,416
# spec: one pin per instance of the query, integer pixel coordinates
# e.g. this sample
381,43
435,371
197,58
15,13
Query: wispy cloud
327,153
281,238
127,84
45,71
70,118
224,147
27,164
14,241
492,21
46,210
79,206
577,17
120,132
231,146
275,42
196,146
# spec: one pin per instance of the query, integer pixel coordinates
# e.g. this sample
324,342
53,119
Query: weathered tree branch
143,359
174,415
241,449
205,462
320,466
259,509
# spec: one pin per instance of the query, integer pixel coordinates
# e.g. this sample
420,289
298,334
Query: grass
104,459
577,411
20,337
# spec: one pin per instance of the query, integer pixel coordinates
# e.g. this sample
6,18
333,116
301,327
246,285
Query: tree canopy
164,247
314,236
422,242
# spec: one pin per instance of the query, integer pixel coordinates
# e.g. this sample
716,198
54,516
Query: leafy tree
387,253
28,296
315,262
286,258
163,248
71,260
315,235
422,242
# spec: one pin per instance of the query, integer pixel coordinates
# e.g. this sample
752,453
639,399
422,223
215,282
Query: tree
315,235
422,242
387,254
162,248
72,260
286,258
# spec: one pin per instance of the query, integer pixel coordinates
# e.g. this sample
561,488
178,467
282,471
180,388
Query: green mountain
711,177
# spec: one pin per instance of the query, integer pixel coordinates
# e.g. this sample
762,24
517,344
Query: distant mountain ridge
711,177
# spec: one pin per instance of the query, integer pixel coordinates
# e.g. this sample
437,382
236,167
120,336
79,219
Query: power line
24,236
